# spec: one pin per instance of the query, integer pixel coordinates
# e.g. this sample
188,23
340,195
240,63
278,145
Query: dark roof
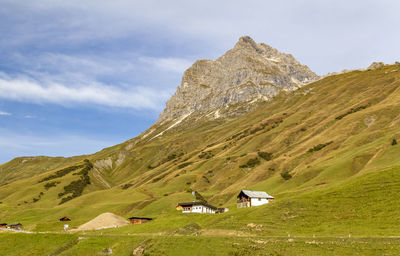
143,218
3,224
65,218
197,203
15,224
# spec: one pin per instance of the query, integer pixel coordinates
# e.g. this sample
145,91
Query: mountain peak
246,41
248,73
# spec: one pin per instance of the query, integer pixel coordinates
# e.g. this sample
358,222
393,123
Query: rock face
245,74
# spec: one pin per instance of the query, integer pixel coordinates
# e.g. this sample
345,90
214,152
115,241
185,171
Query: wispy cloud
26,89
168,64
3,113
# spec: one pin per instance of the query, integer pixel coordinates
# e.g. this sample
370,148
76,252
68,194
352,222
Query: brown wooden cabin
222,210
65,219
15,226
139,220
3,225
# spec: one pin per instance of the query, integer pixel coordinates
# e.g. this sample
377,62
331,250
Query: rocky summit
248,73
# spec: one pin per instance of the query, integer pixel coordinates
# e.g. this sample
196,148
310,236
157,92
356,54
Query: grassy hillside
327,152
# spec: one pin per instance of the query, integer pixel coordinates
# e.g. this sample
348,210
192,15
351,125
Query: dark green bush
265,155
251,163
206,155
126,186
61,173
76,187
353,110
184,165
394,142
47,186
286,175
319,147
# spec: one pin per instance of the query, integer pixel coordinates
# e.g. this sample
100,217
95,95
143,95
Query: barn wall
257,202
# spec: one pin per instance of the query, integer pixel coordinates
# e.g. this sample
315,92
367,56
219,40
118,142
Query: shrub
47,186
206,155
394,142
156,179
151,167
126,186
76,187
353,110
286,175
265,155
251,163
319,147
184,165
61,173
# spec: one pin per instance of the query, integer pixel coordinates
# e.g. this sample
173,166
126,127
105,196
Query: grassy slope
24,167
349,186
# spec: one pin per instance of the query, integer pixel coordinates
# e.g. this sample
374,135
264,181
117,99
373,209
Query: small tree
265,155
394,142
286,175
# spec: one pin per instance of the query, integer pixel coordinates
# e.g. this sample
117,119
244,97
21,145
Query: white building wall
258,201
198,209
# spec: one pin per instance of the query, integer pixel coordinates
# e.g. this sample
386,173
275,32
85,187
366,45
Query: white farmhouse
249,198
196,207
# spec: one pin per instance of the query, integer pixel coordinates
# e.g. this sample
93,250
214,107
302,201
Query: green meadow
325,152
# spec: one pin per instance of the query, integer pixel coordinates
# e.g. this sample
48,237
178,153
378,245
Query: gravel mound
104,220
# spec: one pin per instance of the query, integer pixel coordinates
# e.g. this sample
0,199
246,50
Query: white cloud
29,90
168,64
3,113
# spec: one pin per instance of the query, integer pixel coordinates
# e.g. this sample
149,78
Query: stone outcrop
245,74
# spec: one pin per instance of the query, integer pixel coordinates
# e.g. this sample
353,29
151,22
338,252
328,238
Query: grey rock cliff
245,74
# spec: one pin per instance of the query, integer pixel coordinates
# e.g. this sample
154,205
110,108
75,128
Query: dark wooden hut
139,220
16,226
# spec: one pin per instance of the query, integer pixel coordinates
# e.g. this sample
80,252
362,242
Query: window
259,199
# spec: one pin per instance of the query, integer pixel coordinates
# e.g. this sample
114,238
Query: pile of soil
104,220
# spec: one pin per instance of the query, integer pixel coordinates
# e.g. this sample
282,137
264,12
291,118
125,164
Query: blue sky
76,77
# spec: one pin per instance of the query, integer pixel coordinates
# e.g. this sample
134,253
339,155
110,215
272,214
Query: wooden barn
16,226
139,220
3,225
196,207
250,198
222,210
65,219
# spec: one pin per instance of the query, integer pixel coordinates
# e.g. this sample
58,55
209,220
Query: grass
64,244
348,187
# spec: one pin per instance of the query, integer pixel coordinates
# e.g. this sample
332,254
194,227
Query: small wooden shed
139,220
3,225
16,226
65,219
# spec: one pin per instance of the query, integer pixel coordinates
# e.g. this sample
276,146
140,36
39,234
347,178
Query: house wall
198,209
258,201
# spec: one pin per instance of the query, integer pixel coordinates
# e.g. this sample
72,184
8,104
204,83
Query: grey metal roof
258,194
197,203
